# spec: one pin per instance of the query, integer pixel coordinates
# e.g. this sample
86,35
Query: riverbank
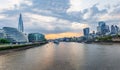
106,42
12,48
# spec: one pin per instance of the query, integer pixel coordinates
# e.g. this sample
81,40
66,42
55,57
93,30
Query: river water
64,56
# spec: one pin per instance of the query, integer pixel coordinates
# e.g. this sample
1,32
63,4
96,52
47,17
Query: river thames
64,56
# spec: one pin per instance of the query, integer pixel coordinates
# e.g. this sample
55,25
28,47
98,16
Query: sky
59,16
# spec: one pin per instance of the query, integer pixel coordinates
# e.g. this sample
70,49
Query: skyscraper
103,28
114,29
86,31
101,23
20,24
117,28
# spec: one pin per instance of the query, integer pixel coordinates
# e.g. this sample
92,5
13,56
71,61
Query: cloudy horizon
59,16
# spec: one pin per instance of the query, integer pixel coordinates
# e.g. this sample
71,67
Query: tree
105,38
4,41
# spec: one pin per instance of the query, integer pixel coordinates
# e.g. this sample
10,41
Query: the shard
20,24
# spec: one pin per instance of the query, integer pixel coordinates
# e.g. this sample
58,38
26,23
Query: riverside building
36,37
13,35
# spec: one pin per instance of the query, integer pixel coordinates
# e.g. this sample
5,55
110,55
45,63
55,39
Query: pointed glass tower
20,24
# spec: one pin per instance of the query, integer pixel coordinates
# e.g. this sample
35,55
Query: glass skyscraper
101,23
114,29
86,31
20,24
103,28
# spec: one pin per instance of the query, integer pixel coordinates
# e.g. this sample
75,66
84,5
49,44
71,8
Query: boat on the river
56,42
88,42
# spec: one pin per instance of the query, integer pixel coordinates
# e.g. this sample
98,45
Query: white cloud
2,16
42,11
51,17
38,21
74,5
108,17
79,26
49,23
8,4
40,18
27,2
80,5
87,15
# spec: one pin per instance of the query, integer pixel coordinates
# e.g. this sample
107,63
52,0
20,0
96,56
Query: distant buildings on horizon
102,29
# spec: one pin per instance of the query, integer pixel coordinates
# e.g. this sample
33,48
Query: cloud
75,5
2,16
79,26
57,6
9,4
94,11
113,16
56,16
48,24
80,5
40,18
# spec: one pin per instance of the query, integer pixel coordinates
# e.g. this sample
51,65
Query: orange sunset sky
61,35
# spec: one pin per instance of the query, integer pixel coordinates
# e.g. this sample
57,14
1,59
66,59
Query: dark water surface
65,56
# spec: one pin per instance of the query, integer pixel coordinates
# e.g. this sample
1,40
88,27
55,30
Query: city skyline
62,16
59,34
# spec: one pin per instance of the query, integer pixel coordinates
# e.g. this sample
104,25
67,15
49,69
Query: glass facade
101,23
20,24
114,29
86,31
103,28
14,36
2,34
36,37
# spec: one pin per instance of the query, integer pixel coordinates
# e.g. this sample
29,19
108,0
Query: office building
102,28
114,29
36,37
2,34
14,36
86,31
117,28
101,23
